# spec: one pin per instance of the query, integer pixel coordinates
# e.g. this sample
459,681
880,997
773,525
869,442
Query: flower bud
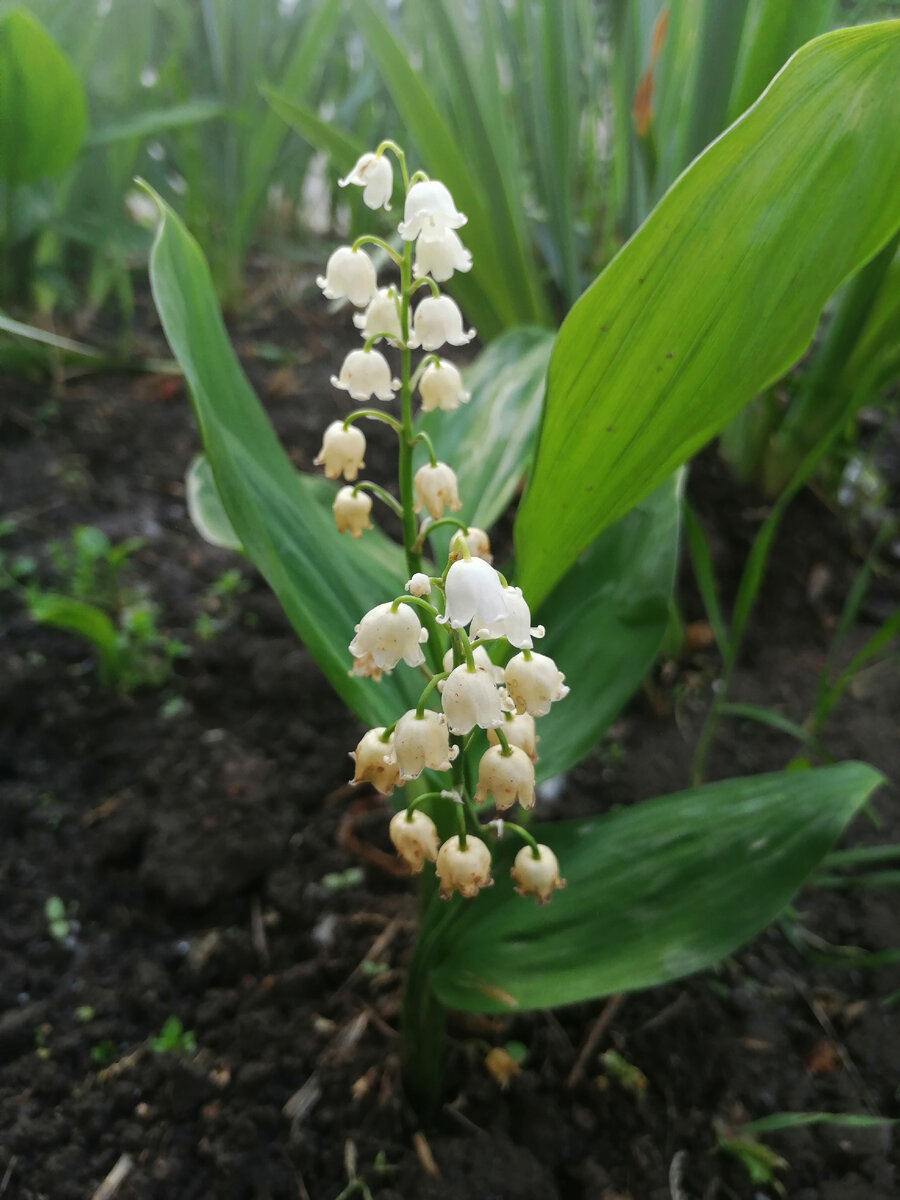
342,451
463,871
438,320
429,211
536,876
388,635
375,762
470,698
415,838
505,777
352,511
350,274
381,316
366,373
436,489
477,541
421,742
472,585
520,731
374,173
534,683
419,585
515,625
483,660
440,257
441,386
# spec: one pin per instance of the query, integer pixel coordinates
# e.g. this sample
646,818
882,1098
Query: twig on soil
676,1176
364,851
258,931
7,1175
849,1065
612,1006
114,1180
301,1185
681,1002
373,954
424,1155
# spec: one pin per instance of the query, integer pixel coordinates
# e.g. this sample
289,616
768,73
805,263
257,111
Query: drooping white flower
472,585
366,373
375,761
415,838
534,683
505,777
351,512
464,871
470,698
421,742
436,489
536,877
477,542
381,316
389,635
441,386
520,731
515,626
419,584
342,451
374,173
350,275
440,257
438,320
429,211
483,660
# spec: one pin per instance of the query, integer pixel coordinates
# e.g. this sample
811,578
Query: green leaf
74,616
204,506
718,292
654,892
795,1120
43,111
323,135
155,121
283,519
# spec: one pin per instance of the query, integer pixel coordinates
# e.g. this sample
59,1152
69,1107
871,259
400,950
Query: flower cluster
444,623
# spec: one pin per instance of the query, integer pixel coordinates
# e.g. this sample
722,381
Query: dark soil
198,836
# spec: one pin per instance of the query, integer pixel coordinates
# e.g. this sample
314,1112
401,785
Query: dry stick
258,931
7,1175
676,1176
613,1004
115,1178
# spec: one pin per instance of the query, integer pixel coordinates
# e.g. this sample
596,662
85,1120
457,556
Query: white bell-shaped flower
441,386
375,174
438,320
477,542
366,373
520,731
381,316
342,451
351,511
429,211
419,584
472,585
464,871
421,742
415,838
506,778
350,275
440,257
534,683
536,877
470,698
483,660
388,635
436,489
375,762
515,626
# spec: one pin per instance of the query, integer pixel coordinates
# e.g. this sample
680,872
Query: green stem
370,239
407,499
427,690
427,281
373,414
421,436
428,529
523,834
377,490
387,144
504,742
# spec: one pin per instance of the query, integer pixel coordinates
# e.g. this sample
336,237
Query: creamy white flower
519,730
388,636
350,274
415,838
375,761
477,542
419,584
464,871
506,778
472,585
374,173
436,489
351,512
438,320
515,626
440,257
534,683
429,211
482,659
342,451
536,876
470,698
441,386
421,742
366,373
381,316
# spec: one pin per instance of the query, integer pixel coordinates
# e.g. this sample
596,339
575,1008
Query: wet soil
198,837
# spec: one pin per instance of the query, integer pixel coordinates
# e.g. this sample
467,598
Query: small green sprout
55,916
759,1161
626,1074
173,1038
103,1052
84,1014
339,881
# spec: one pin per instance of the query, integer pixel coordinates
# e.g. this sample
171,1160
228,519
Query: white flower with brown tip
351,510
421,742
436,489
342,451
476,541
375,761
534,683
470,698
441,386
537,877
464,870
506,778
415,838
520,731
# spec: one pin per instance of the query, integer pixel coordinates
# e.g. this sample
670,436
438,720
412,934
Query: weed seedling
173,1038
55,916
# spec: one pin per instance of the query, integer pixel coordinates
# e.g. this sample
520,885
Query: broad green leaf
324,135
772,32
204,506
43,112
153,122
283,519
654,892
717,293
75,616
